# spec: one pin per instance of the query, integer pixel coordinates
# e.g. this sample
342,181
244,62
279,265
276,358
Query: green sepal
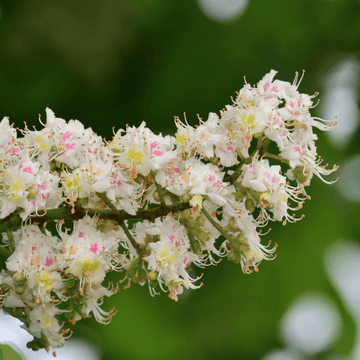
234,256
153,283
298,174
133,268
131,272
250,205
70,283
153,275
142,275
195,247
19,277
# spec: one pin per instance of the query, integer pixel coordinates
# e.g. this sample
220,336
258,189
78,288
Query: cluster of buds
74,206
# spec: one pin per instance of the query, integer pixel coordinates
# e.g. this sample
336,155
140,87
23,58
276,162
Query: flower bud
253,255
131,272
19,277
43,340
249,204
153,283
298,174
153,275
20,289
142,275
202,235
196,247
106,225
265,200
196,201
156,196
33,345
234,256
70,283
133,268
83,201
186,198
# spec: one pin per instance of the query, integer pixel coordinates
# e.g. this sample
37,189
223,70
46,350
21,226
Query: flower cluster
74,207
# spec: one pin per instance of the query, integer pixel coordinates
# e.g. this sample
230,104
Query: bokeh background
112,62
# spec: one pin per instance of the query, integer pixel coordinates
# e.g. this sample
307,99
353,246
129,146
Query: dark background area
112,63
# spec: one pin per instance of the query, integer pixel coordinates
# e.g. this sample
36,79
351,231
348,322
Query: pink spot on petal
48,261
81,234
94,247
158,152
70,146
154,144
267,174
67,135
33,248
28,170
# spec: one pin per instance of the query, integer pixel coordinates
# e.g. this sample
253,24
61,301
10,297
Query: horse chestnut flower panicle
74,207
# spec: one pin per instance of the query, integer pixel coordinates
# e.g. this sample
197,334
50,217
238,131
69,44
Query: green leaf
8,353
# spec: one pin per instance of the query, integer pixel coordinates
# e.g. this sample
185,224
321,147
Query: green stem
276,157
11,239
42,229
216,225
240,155
121,222
236,173
130,237
265,142
108,203
5,252
159,189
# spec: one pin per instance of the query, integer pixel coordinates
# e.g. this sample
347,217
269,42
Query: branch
15,221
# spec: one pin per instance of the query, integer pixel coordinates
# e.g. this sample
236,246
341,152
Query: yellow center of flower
17,186
48,321
166,257
72,184
248,120
89,266
14,189
181,138
40,144
135,155
45,280
32,193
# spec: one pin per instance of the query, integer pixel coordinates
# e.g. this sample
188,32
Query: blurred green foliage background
115,62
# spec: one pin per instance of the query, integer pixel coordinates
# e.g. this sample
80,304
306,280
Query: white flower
272,190
92,301
142,150
170,257
42,320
